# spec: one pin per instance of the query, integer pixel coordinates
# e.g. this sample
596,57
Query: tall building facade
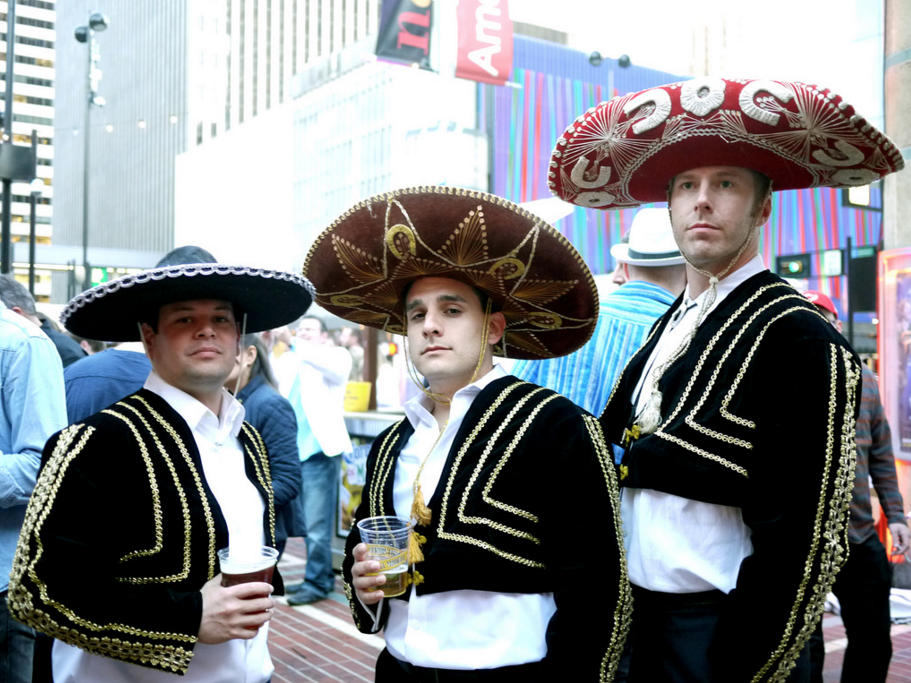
176,74
33,110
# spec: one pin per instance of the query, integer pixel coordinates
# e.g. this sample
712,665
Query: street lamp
36,188
86,34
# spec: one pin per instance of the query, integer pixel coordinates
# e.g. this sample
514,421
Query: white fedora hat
651,241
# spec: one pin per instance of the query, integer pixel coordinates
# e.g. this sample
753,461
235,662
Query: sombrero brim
111,311
621,253
624,152
362,264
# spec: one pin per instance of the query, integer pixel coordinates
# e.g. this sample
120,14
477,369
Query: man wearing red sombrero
117,556
510,485
737,415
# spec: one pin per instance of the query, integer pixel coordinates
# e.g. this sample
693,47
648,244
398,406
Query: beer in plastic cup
387,543
257,565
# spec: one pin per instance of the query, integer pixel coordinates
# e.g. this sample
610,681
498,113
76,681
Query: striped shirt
874,460
587,376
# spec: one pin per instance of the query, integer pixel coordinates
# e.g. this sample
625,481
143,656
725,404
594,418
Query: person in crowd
31,409
117,557
90,346
494,472
864,584
352,339
254,386
103,379
653,276
317,394
16,297
736,484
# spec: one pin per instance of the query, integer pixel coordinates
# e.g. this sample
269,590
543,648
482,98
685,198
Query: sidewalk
318,643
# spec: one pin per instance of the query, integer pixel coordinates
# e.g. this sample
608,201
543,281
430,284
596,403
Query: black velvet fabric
759,415
543,459
102,564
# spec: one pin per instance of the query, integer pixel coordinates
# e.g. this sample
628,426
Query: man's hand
366,576
901,537
234,612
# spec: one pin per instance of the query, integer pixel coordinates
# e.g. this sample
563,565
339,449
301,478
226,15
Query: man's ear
496,328
148,339
763,215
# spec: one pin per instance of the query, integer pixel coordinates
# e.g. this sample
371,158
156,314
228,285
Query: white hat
651,241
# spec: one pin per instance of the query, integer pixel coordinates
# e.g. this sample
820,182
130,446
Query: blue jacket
587,376
274,419
31,409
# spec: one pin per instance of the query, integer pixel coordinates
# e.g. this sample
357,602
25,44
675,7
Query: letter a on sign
485,41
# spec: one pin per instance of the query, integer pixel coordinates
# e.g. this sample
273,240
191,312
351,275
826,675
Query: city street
319,642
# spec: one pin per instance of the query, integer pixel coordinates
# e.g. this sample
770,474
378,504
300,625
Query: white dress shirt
675,544
236,661
464,629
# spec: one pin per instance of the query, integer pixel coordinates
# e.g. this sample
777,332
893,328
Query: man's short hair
14,294
761,182
322,323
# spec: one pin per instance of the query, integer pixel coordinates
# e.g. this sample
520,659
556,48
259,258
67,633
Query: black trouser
671,637
862,588
392,670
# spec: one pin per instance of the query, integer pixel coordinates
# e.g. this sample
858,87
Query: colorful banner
485,41
405,32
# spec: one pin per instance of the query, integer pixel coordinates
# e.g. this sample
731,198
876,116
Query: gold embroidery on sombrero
468,243
507,268
401,242
541,292
359,265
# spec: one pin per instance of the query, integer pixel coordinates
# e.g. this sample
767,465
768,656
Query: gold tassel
419,511
415,554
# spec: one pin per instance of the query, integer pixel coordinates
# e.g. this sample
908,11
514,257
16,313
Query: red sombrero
363,262
624,152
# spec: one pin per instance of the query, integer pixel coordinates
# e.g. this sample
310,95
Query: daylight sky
829,42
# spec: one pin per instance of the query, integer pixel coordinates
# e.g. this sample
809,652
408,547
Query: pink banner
485,41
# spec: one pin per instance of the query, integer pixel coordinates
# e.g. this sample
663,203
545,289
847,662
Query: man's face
196,344
714,212
310,331
445,321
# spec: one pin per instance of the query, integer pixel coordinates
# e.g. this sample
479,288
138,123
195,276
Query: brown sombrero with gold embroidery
363,262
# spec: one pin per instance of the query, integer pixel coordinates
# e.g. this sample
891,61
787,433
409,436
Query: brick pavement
318,643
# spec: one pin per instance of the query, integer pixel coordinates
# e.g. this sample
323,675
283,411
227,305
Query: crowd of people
609,510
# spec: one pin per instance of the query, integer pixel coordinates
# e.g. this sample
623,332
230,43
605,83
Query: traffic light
794,266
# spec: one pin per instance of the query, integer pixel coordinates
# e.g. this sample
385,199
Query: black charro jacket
525,484
121,533
758,414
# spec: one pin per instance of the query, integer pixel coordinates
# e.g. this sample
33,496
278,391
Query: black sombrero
110,311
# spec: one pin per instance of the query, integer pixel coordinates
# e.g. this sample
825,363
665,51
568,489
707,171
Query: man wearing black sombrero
738,414
509,485
117,557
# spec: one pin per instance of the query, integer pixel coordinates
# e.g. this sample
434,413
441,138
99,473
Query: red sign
485,41
404,34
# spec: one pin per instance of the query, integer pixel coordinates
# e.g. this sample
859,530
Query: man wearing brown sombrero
736,487
117,556
509,485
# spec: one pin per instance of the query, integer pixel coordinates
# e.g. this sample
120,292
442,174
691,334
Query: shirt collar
730,282
192,410
418,408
